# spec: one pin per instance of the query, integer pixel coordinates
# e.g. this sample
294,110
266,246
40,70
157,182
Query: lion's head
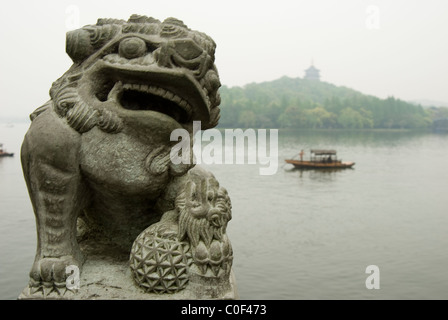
142,72
204,210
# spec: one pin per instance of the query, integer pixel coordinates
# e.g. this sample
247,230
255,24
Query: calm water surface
303,234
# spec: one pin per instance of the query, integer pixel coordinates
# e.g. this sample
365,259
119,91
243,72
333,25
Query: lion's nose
131,48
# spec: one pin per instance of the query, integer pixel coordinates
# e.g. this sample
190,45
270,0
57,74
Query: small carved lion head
204,210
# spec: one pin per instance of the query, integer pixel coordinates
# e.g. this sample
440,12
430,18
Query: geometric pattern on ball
159,264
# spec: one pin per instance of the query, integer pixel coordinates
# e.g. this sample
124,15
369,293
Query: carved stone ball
158,261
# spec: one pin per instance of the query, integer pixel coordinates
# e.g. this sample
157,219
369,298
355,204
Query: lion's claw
48,275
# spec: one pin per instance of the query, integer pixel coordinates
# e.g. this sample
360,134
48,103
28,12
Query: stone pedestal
106,276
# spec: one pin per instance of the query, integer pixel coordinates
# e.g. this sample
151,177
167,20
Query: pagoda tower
312,73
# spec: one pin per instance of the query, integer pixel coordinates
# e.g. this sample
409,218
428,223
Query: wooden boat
320,159
4,153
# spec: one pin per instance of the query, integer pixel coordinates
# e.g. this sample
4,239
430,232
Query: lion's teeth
118,87
147,60
177,99
184,104
168,95
114,58
158,92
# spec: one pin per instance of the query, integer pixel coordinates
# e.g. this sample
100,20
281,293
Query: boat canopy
323,152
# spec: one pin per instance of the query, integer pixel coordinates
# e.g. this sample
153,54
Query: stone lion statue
98,152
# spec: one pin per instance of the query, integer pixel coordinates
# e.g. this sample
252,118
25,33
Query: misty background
381,48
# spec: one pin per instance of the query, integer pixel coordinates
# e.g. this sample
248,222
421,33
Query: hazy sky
379,47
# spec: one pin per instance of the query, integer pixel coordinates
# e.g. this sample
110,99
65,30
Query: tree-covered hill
299,103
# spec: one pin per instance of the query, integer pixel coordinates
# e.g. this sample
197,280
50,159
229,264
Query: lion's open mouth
138,89
144,97
141,97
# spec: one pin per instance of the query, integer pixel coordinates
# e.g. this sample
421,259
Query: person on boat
301,155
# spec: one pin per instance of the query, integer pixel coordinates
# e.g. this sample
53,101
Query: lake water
303,234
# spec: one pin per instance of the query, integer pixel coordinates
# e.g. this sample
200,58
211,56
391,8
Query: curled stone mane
68,104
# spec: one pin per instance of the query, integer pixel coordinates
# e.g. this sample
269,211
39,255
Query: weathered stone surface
96,160
106,275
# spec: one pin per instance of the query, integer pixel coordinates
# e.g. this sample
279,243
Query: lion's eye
131,48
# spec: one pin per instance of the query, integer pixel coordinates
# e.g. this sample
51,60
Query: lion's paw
48,276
